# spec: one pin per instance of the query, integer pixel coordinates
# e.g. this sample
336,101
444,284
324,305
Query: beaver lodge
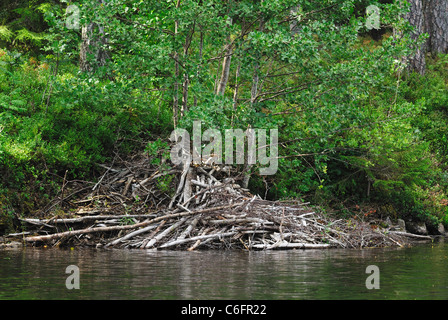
138,205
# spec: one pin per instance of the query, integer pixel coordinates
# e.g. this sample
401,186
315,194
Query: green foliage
6,34
71,128
22,24
24,36
352,123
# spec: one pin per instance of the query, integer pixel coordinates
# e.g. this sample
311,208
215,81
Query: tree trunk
184,107
225,65
93,44
225,69
255,80
416,17
253,97
293,24
176,76
198,71
176,89
436,12
235,91
431,17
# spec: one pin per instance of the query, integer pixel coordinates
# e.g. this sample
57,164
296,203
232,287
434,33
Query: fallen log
70,233
145,241
189,229
411,235
167,231
209,236
290,245
84,219
202,207
131,235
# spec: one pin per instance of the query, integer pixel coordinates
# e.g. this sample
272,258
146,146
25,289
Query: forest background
362,127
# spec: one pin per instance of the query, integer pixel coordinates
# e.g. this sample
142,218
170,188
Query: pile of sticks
139,205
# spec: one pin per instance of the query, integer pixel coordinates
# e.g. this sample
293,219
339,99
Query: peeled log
290,245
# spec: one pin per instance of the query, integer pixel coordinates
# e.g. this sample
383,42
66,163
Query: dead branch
204,206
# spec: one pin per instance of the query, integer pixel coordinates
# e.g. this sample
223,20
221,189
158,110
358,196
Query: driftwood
138,205
120,227
411,235
289,245
202,237
82,219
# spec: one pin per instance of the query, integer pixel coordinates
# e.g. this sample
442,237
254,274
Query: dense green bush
354,125
53,124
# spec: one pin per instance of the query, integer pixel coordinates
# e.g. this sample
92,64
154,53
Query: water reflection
410,273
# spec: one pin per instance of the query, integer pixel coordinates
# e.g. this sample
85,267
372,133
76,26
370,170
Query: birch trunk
92,44
176,76
293,24
184,107
225,69
198,71
235,92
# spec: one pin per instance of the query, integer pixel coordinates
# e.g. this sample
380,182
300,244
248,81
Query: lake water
420,272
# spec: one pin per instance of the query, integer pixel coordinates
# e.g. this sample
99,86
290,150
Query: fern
5,33
8,103
24,35
44,7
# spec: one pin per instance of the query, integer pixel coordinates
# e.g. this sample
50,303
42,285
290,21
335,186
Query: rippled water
420,272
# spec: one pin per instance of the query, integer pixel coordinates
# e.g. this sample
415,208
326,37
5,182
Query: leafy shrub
72,126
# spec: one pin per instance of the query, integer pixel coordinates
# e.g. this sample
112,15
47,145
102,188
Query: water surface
420,272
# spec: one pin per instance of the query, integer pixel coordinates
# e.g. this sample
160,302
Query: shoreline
243,225
139,205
